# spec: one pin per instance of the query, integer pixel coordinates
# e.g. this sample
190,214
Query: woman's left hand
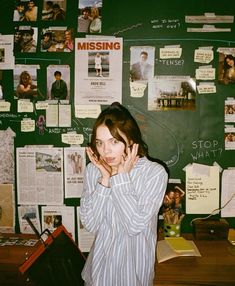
129,161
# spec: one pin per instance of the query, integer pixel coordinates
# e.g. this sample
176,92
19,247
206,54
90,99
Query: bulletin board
176,134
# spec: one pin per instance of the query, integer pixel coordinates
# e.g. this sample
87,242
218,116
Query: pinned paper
85,111
24,106
27,125
203,56
206,87
72,138
137,89
202,189
170,53
41,105
205,73
5,106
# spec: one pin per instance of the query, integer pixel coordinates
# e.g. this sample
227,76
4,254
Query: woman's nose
107,148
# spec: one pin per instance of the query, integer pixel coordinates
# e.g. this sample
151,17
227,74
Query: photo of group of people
57,40
89,19
28,11
25,39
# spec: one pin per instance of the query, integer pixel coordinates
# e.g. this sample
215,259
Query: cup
172,230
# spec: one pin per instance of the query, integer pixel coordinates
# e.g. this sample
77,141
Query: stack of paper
172,247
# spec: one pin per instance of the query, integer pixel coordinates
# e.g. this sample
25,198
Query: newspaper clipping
40,176
98,70
75,161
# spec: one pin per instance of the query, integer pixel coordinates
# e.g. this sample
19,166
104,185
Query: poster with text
98,70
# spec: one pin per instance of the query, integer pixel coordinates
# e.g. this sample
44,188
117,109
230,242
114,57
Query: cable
214,212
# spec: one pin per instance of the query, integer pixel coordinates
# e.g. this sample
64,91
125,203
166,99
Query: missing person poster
98,70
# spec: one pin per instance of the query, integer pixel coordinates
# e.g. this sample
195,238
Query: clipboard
57,261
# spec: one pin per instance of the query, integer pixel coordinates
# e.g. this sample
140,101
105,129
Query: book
165,252
179,244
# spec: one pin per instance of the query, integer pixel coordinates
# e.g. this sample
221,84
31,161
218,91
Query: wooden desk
11,257
216,267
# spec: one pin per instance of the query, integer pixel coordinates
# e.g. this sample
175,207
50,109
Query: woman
98,64
123,192
229,69
26,88
95,26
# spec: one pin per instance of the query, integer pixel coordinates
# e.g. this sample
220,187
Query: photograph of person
98,64
226,68
25,82
47,12
54,10
47,41
75,164
89,19
19,11
122,194
25,39
57,40
58,82
142,63
17,40
31,11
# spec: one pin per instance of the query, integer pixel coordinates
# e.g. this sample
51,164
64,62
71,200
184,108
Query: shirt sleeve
135,212
93,202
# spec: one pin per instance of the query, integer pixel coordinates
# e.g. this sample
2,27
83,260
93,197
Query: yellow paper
179,244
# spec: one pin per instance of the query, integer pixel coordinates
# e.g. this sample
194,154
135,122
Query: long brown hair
118,119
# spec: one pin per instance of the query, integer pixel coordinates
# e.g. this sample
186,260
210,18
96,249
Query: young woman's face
230,62
110,149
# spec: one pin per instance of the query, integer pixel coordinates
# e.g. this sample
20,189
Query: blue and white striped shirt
124,220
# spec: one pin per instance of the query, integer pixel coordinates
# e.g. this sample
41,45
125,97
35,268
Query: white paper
91,87
40,176
33,214
202,189
85,238
7,59
54,216
228,193
229,137
7,158
74,166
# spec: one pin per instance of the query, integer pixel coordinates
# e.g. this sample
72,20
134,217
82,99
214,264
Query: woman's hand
129,161
104,168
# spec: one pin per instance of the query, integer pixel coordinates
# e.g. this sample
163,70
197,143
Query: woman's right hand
104,168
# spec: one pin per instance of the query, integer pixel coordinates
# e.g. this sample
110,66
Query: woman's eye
115,141
98,143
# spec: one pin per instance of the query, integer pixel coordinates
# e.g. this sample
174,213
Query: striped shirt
124,220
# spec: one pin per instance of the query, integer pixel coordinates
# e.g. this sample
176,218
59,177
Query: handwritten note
205,73
202,189
72,138
203,56
85,111
137,89
27,125
168,53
